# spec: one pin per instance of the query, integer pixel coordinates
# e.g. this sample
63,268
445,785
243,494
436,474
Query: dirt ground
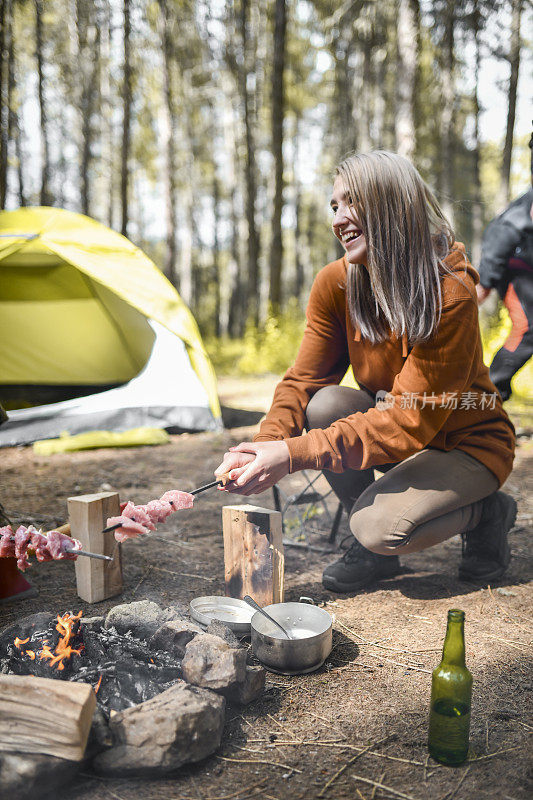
373,691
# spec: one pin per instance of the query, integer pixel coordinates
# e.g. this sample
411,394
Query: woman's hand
233,463
270,463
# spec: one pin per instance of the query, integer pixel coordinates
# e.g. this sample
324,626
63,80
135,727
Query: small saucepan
310,629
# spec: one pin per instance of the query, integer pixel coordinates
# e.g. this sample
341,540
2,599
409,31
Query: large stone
212,663
142,618
218,628
182,725
250,689
173,637
32,776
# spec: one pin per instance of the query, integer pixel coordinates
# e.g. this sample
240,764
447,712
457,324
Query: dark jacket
507,245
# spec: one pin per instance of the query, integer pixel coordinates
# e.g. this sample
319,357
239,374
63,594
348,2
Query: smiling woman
400,308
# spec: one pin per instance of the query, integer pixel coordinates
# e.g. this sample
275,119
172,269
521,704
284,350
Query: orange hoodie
439,394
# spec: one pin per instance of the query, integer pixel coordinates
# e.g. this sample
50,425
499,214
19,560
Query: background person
401,308
507,266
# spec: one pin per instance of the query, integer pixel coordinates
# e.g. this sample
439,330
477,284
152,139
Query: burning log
40,715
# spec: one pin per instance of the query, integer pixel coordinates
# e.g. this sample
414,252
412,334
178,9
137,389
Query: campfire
148,667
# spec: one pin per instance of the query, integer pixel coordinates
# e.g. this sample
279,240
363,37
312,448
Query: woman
401,308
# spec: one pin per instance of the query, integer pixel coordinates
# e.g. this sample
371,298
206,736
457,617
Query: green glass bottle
451,695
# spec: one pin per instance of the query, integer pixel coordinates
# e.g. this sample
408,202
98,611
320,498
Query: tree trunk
126,124
89,56
252,294
108,154
217,282
514,60
5,50
477,207
448,112
45,196
278,113
406,72
170,138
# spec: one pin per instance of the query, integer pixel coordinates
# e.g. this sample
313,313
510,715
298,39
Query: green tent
84,311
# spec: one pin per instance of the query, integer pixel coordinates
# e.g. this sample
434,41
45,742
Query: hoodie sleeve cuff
302,453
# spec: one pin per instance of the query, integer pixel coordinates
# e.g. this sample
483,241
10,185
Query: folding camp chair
303,505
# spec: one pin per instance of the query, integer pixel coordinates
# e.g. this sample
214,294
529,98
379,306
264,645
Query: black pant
518,347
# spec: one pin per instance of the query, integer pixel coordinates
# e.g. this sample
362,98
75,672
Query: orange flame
31,654
63,650
98,685
17,642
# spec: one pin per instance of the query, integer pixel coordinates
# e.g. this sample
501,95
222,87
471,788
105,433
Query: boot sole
337,586
508,523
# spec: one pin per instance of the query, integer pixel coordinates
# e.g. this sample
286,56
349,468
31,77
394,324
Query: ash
124,670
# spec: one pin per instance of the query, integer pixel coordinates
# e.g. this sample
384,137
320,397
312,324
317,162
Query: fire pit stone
141,618
181,725
218,628
174,636
27,776
214,664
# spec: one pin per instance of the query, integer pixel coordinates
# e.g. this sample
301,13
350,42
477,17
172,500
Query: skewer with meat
50,546
137,520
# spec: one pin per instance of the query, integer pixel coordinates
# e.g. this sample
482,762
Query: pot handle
308,600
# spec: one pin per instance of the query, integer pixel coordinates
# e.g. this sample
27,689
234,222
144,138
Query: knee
373,528
368,527
335,402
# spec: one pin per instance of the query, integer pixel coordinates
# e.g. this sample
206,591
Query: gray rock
218,628
32,776
181,725
142,618
212,663
171,613
250,689
173,637
99,735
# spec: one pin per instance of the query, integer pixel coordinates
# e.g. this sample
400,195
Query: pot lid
234,613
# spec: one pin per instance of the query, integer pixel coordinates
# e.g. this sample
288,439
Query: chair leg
336,523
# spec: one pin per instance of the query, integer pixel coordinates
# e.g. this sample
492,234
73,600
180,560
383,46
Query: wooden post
253,553
96,580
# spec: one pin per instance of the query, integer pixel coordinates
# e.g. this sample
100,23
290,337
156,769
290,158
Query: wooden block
88,514
253,553
39,715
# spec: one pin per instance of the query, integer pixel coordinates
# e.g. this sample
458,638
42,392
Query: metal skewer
219,482
89,554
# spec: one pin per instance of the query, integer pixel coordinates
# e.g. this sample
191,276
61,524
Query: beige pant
431,496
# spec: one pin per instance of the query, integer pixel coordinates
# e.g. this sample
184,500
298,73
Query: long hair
407,237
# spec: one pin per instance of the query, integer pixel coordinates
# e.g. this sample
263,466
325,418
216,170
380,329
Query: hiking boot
486,552
358,568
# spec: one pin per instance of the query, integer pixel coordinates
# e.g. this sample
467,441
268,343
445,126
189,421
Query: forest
207,131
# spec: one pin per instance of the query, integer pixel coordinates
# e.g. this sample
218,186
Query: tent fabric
93,309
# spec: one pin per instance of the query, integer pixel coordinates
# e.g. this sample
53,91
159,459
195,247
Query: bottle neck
453,651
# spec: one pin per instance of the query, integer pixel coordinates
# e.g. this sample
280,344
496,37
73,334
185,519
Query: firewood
40,715
253,553
96,580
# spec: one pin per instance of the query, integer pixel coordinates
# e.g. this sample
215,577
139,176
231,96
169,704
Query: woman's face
346,226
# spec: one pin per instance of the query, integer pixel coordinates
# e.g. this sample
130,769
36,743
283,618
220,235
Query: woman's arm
417,405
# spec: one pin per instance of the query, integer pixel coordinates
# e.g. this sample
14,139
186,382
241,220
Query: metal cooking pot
310,628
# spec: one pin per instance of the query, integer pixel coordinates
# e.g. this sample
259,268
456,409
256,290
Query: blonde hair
407,236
